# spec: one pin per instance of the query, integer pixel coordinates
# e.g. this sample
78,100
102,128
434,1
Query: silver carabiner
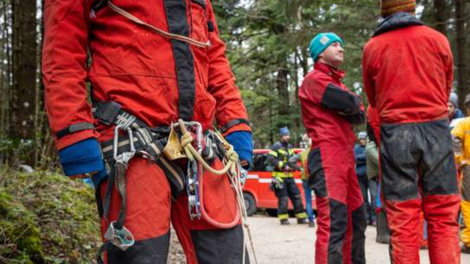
121,238
126,156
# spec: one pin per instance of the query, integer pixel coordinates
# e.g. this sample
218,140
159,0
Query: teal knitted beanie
322,41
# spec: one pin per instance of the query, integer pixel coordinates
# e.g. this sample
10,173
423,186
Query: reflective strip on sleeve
272,153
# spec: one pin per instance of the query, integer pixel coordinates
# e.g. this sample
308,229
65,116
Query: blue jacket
360,155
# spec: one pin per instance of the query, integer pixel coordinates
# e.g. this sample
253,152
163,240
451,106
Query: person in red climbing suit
329,110
408,74
143,80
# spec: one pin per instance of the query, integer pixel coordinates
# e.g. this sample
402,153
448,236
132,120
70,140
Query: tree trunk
462,82
24,69
441,15
283,91
5,71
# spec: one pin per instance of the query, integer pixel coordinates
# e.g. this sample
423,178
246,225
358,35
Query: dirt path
294,244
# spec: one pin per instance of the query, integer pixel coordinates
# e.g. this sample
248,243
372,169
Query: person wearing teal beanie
329,111
321,42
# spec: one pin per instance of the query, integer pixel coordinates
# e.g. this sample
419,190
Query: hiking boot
311,224
285,222
302,221
464,249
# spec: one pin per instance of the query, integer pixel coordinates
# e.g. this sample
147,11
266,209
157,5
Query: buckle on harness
106,112
121,238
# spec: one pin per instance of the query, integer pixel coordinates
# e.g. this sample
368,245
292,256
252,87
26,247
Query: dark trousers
369,187
288,191
419,174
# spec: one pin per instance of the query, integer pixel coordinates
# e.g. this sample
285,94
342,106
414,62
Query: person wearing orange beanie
408,75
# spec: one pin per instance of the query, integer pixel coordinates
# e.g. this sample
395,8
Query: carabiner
121,238
126,156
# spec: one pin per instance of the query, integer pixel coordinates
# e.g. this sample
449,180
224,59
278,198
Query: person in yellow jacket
304,177
461,142
283,179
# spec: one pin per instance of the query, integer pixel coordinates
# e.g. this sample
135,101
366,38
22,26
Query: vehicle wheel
250,204
271,212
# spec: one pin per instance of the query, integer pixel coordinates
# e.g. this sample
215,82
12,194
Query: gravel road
294,244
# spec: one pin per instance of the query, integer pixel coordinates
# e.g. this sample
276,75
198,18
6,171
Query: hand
245,164
278,182
286,168
243,176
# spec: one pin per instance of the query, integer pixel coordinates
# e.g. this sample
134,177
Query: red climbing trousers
150,210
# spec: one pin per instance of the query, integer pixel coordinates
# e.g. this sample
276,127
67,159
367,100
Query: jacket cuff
242,143
82,157
240,127
71,139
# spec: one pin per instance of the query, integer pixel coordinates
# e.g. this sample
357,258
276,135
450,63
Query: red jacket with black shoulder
328,108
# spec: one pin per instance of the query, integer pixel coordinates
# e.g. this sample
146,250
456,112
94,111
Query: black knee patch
338,227
219,246
358,238
316,178
153,250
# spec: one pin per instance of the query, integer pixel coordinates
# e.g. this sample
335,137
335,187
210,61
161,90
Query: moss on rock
47,218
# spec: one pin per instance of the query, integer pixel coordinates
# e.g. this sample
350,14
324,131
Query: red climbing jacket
401,97
135,67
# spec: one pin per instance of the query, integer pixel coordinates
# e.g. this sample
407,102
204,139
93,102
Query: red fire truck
257,192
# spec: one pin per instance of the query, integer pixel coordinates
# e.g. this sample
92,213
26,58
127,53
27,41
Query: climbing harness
164,145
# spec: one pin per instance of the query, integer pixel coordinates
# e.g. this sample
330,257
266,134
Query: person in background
283,179
461,143
372,163
455,115
307,190
329,110
408,74
364,182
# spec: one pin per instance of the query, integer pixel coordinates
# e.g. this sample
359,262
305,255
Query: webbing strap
107,198
74,128
121,186
233,123
103,248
